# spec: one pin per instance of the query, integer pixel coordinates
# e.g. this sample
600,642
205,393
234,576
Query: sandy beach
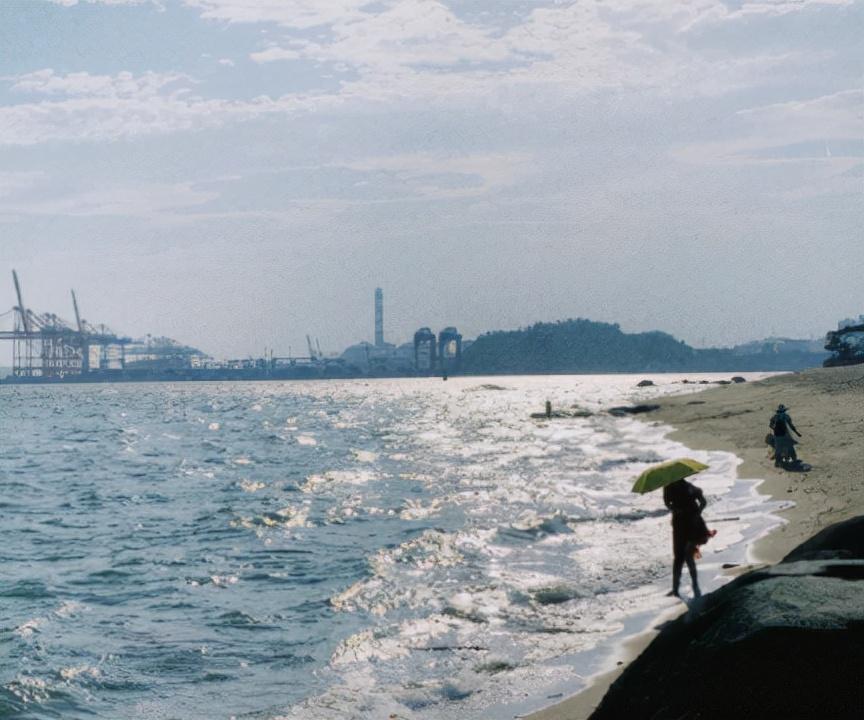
827,407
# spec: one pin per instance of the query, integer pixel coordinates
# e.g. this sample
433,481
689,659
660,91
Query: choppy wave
409,549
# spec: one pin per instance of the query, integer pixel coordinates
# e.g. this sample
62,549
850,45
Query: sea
406,549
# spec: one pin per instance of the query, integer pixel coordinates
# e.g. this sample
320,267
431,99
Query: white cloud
274,54
73,3
427,173
110,107
289,13
146,200
80,84
839,114
784,7
12,182
817,121
421,49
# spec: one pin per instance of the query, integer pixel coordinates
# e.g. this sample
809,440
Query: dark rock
841,540
555,595
645,383
738,379
784,642
623,410
723,382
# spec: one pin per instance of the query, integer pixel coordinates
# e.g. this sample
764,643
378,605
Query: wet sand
827,407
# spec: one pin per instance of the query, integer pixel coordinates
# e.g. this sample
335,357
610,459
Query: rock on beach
782,642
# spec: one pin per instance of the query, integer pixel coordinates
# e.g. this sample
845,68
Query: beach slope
827,406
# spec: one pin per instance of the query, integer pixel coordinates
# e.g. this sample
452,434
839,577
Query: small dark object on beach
724,382
738,379
696,402
559,414
645,383
625,410
576,412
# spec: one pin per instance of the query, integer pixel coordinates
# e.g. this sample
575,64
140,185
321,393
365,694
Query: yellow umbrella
666,473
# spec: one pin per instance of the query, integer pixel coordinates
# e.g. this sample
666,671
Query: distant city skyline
236,174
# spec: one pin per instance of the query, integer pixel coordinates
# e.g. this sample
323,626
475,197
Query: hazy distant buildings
379,317
850,322
449,348
425,350
426,354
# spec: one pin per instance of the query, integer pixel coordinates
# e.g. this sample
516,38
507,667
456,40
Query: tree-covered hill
585,346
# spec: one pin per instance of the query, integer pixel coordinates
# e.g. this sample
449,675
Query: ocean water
408,549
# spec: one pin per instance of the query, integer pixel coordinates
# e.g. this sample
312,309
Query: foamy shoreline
627,647
826,405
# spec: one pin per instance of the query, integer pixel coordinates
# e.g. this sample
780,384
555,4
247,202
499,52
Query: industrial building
426,354
47,348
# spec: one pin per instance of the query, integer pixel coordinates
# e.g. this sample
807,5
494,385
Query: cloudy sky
237,173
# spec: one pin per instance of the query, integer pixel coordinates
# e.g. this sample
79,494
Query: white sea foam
76,671
29,627
224,580
69,608
251,486
29,689
334,479
556,557
365,456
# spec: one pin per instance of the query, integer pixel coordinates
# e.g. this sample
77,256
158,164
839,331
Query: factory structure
49,349
426,354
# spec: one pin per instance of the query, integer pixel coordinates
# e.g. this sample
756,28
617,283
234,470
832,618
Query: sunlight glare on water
297,550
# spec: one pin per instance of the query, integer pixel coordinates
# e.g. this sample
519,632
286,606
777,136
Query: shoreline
827,405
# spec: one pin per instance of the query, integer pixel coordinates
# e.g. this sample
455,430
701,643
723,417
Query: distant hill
585,346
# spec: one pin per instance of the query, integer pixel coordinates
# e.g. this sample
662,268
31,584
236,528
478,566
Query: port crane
45,345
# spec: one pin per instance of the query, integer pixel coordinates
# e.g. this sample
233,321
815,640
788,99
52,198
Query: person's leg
691,566
677,561
677,566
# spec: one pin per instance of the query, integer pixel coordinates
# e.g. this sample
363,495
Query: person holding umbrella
686,501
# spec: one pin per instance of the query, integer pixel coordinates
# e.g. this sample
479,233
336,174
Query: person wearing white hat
784,446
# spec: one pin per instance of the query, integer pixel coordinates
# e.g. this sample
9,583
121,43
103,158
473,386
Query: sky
238,173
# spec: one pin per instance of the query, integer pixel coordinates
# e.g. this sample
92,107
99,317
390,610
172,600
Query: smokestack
379,317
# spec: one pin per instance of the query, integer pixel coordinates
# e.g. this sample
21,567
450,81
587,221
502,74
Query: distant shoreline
199,376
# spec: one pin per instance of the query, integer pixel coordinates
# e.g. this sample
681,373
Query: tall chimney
379,317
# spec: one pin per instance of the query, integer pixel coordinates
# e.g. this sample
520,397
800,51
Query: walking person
686,501
784,444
